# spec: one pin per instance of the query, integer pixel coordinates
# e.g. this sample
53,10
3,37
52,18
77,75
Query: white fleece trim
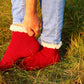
54,46
18,28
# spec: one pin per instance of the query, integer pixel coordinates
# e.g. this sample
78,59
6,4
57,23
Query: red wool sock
21,45
45,57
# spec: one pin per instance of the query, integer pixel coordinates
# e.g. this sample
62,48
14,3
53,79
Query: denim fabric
52,17
18,10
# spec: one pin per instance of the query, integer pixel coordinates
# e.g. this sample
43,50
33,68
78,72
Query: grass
71,68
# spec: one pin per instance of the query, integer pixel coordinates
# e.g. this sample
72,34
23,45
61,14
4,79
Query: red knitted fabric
45,57
21,45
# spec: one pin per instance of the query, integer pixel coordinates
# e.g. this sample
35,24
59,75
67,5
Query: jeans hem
53,45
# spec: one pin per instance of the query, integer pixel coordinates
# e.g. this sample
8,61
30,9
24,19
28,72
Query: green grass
71,68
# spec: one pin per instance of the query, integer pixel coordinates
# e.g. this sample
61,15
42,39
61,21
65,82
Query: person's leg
52,16
21,44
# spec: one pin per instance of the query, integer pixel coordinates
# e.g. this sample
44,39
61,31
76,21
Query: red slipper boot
45,57
21,45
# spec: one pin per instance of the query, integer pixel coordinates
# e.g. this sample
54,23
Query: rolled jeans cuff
49,45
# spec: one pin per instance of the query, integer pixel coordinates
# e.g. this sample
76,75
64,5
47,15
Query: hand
32,24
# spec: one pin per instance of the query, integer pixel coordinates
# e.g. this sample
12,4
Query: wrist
31,13
31,7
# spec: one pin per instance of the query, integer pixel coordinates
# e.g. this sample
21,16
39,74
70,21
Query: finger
30,32
36,33
36,30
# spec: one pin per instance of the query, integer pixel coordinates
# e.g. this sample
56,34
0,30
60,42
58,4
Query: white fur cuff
57,46
18,28
54,46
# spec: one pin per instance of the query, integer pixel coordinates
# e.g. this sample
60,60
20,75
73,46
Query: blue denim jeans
52,17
